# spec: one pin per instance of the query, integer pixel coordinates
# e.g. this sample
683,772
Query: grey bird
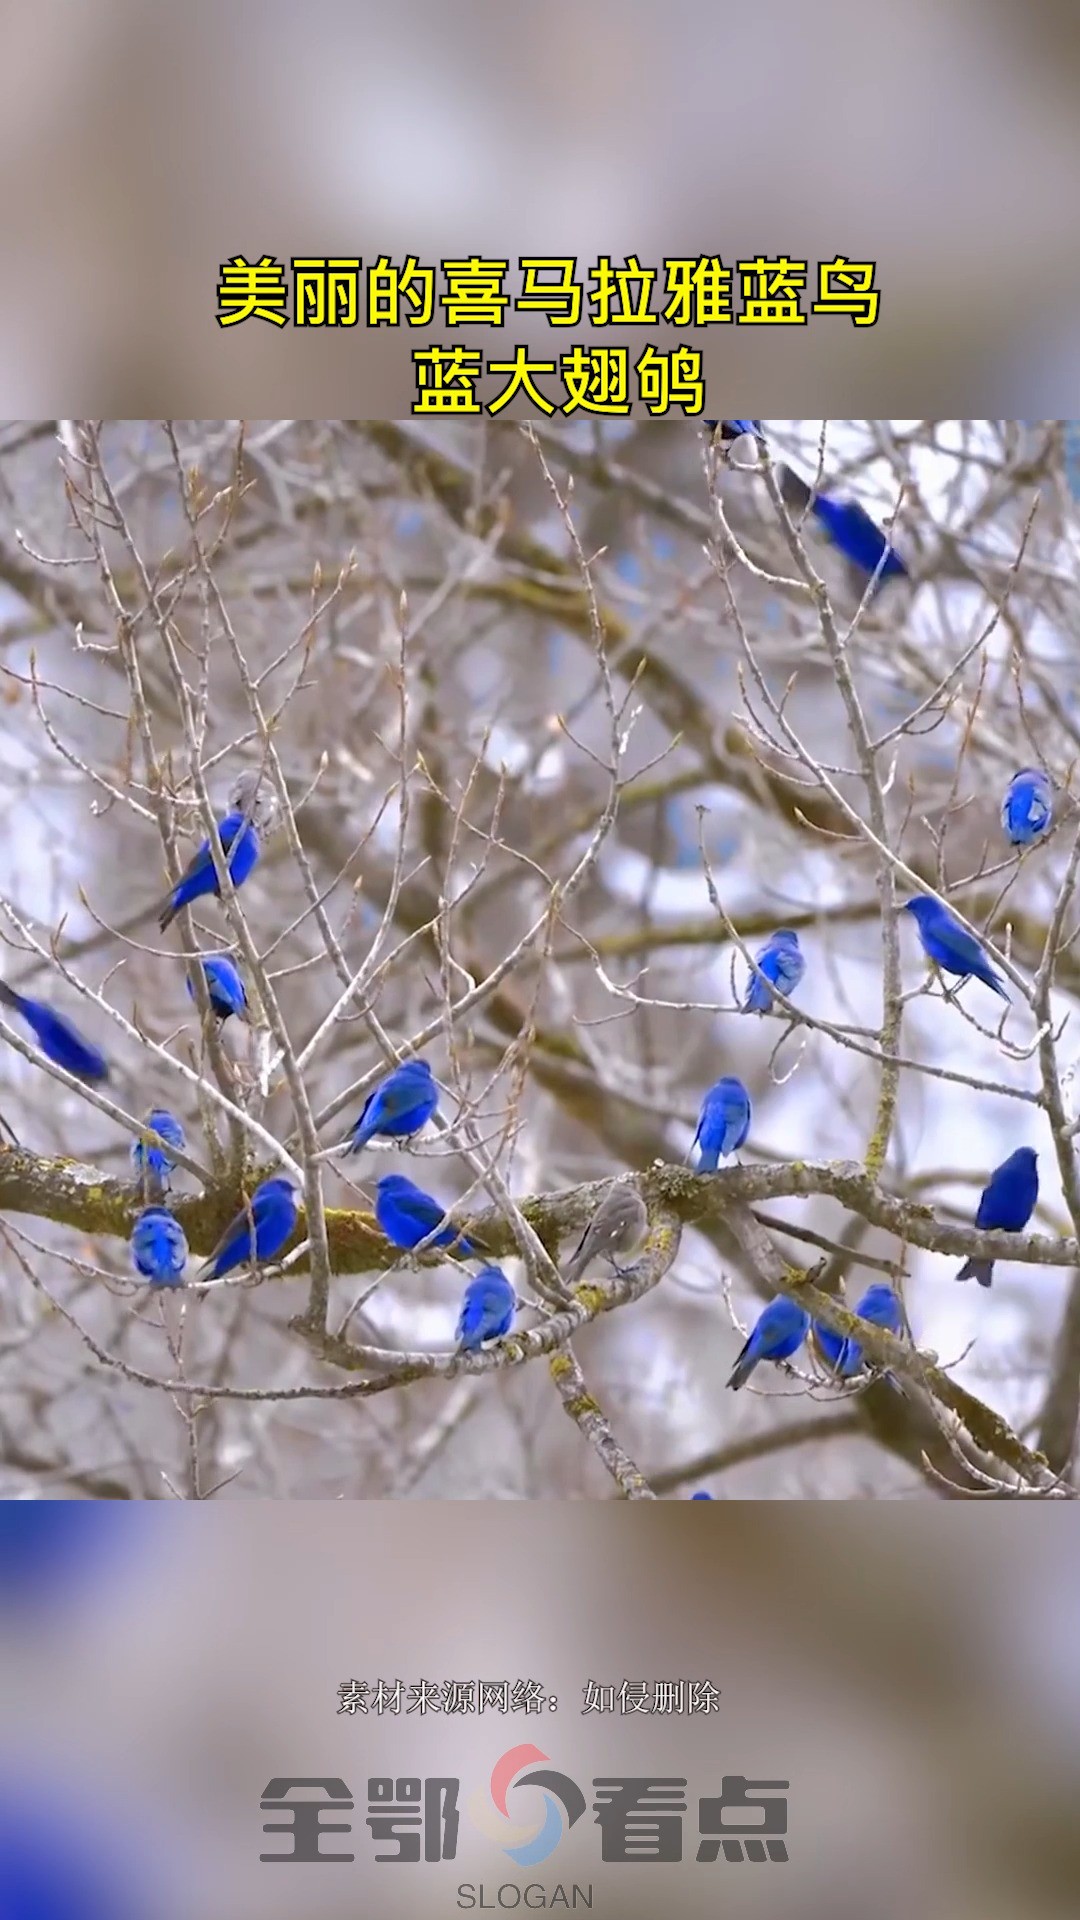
619,1225
253,796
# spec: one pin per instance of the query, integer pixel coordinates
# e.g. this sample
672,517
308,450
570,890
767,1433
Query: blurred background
150,145
564,1077
911,1674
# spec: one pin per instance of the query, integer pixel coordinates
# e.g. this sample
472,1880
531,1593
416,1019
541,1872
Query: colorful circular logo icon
561,1803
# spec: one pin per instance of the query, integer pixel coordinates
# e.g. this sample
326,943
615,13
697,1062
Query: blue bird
701,1496
1028,806
880,1305
727,432
407,1215
159,1249
224,986
951,947
732,430
1008,1201
777,1333
398,1107
274,1210
59,1041
239,843
849,527
152,1163
830,1345
723,1124
858,537
779,963
487,1310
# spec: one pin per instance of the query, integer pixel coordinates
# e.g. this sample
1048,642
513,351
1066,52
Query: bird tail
9,996
743,1368
166,911
759,996
578,1263
980,1270
355,1142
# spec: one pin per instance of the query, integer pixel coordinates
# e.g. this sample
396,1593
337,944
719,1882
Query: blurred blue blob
858,537
408,522
560,647
47,1548
848,525
701,1496
629,568
65,1862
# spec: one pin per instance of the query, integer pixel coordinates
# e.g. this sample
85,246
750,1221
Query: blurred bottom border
254,1709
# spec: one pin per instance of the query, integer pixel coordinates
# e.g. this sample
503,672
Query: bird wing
397,1096
963,946
236,1230
200,863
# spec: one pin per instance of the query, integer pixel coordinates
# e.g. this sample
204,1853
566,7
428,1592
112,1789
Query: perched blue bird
779,963
701,1496
1008,1201
1028,806
407,1215
398,1107
58,1039
951,946
159,1249
151,1163
224,986
830,1345
274,1210
723,1124
881,1306
239,843
777,1333
487,1310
